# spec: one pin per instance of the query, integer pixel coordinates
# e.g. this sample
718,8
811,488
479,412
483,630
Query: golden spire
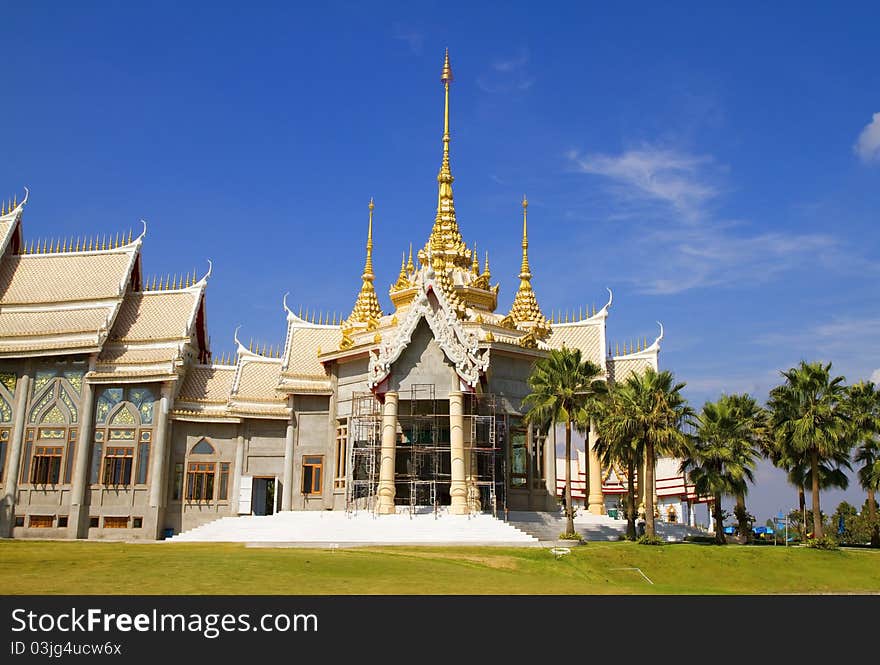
366,307
445,245
410,266
475,266
525,306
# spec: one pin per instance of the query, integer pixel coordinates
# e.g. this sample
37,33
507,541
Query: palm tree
810,421
651,413
615,449
865,410
754,432
721,457
565,389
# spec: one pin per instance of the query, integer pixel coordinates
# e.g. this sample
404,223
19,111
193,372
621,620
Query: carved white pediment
460,346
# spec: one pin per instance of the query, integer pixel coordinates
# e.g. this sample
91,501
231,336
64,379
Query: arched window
123,436
207,478
53,417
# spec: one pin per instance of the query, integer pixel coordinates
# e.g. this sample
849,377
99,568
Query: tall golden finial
475,266
366,306
368,265
129,237
410,266
445,246
486,264
300,314
617,349
525,305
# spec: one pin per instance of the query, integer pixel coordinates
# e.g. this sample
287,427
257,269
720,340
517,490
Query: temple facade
117,421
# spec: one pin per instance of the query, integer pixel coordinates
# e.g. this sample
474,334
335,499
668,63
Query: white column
237,471
458,486
550,467
386,460
287,480
596,501
14,455
159,447
80,488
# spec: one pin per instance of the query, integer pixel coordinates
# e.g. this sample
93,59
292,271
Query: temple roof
255,387
205,391
62,300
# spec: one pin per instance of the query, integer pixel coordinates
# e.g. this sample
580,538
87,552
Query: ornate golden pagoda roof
525,310
366,307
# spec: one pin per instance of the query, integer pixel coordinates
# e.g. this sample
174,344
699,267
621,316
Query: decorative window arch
52,423
123,436
203,447
207,475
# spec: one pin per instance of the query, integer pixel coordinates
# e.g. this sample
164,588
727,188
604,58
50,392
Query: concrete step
332,527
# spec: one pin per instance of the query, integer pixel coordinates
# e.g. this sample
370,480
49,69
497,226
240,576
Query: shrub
650,540
824,543
571,536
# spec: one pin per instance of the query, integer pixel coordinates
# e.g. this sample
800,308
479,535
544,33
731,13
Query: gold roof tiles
56,322
304,343
207,383
156,315
258,380
57,278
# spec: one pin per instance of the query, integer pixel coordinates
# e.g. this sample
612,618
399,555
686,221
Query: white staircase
323,528
547,526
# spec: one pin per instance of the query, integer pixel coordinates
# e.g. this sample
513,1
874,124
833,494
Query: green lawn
43,567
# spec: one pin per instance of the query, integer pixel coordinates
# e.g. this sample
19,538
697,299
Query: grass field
45,567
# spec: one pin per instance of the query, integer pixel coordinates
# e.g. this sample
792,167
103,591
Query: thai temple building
117,421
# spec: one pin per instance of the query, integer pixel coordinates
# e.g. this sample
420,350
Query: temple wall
423,362
182,514
314,437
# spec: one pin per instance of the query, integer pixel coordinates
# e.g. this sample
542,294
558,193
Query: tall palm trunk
649,489
742,518
872,518
802,508
817,512
719,521
631,507
569,512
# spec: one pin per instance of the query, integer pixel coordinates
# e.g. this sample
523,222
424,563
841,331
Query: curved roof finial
143,232
661,333
204,280
607,306
284,303
24,200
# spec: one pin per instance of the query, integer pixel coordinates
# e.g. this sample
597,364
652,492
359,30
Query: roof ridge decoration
638,351
246,353
303,321
84,245
12,208
525,310
460,346
366,310
594,318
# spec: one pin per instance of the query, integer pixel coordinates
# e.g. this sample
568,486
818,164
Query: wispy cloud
867,147
850,342
656,174
875,375
507,74
414,39
671,195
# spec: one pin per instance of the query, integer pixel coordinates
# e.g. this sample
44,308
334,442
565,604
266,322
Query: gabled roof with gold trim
154,333
63,299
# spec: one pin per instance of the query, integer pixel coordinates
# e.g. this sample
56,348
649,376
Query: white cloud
414,39
507,74
868,145
671,177
875,375
670,194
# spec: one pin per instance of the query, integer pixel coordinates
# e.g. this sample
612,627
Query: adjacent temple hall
117,422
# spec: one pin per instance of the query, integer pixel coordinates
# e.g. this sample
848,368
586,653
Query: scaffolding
423,461
365,433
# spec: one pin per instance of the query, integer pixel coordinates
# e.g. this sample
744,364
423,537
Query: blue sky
718,168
